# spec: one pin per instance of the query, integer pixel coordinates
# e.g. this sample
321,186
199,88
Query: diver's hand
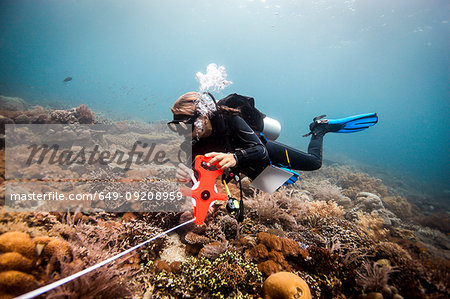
183,173
224,160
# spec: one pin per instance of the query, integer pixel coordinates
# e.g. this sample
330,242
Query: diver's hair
186,104
228,110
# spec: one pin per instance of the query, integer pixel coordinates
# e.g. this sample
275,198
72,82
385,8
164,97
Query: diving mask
180,123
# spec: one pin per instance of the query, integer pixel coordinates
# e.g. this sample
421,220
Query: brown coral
59,248
269,267
286,246
277,257
85,115
271,241
372,225
259,252
292,248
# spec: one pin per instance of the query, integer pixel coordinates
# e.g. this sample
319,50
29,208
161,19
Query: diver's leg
298,160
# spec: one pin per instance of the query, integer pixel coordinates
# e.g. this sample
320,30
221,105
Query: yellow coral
6,296
17,242
286,285
15,282
15,261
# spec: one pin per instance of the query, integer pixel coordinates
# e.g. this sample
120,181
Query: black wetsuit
251,153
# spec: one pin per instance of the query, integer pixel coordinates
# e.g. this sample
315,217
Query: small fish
51,110
67,79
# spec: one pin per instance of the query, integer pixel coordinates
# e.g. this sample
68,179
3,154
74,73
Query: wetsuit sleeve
249,148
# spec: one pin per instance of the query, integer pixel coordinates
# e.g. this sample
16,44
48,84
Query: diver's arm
251,149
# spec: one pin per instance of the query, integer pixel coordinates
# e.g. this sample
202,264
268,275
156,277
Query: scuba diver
223,134
238,138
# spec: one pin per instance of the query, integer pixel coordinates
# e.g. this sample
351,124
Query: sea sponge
15,282
17,242
15,261
285,285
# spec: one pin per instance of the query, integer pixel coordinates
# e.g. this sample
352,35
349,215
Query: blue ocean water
298,59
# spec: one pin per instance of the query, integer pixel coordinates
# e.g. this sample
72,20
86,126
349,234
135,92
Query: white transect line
60,282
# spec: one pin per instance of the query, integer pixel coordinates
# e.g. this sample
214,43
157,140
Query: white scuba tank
272,128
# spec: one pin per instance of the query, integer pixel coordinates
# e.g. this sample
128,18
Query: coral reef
12,103
16,110
399,205
84,115
351,180
372,225
341,231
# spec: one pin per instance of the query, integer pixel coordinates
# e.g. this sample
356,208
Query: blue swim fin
352,124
